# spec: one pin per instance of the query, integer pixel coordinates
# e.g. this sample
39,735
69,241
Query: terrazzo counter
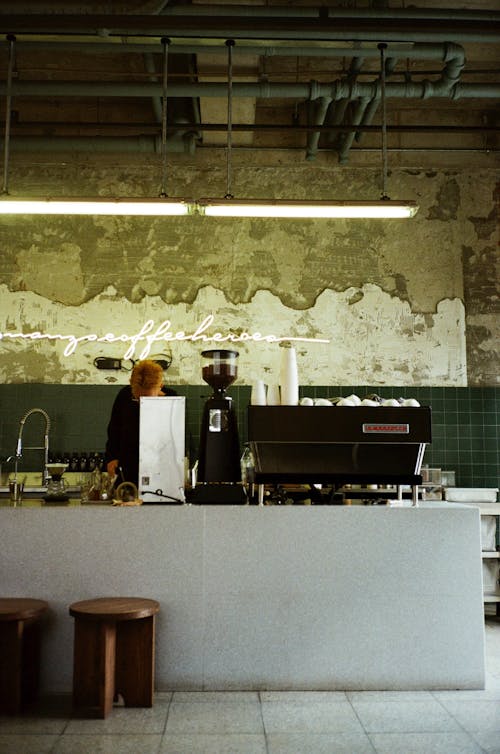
39,502
285,597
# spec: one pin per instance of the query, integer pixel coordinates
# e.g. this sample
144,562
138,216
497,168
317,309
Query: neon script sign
162,333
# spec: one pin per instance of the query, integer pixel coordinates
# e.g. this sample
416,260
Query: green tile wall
465,421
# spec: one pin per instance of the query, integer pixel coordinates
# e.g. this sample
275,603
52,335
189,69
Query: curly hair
146,375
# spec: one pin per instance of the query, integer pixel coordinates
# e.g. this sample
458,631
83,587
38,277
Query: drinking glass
16,489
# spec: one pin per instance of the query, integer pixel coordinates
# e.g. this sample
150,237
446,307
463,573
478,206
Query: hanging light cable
230,45
296,209
163,192
8,110
90,205
382,47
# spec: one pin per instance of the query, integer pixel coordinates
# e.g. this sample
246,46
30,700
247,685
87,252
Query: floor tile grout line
468,733
361,722
266,741
167,715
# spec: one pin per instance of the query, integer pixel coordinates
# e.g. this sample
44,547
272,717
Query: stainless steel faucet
44,447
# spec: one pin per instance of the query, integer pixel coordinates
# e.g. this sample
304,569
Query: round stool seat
21,608
19,652
115,608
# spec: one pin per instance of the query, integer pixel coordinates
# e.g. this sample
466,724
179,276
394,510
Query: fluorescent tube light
94,206
385,208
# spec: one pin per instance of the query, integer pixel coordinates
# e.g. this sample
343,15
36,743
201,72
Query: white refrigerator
162,449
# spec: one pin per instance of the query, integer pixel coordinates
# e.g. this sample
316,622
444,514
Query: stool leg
30,661
94,666
11,635
135,641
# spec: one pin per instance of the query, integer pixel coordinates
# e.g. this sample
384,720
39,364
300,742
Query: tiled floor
287,722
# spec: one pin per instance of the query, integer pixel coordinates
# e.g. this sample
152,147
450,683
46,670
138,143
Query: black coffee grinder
219,470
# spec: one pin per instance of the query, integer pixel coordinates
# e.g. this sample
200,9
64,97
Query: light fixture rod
8,107
229,45
165,43
382,47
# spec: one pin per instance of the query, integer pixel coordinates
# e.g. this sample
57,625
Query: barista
122,446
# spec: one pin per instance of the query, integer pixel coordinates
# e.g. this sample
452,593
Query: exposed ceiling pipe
150,129
322,105
338,109
338,92
163,8
363,114
411,50
149,145
188,137
453,55
347,138
323,27
312,90
184,143
149,64
281,11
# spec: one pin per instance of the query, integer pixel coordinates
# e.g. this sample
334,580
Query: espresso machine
219,470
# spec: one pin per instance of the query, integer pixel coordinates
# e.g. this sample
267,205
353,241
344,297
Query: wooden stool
113,653
19,652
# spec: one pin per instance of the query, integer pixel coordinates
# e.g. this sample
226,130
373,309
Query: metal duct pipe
47,145
347,139
313,90
277,11
323,103
323,27
362,116
280,11
410,50
149,64
453,55
157,101
339,108
104,144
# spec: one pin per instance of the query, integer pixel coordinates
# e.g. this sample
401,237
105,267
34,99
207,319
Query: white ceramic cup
273,395
258,394
289,378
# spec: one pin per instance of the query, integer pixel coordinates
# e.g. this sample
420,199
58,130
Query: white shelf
491,597
487,509
491,509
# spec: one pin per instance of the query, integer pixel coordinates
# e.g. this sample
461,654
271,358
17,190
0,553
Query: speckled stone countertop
39,502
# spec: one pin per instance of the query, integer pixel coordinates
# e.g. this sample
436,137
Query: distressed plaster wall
401,302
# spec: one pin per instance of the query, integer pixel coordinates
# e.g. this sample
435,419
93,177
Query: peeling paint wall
401,302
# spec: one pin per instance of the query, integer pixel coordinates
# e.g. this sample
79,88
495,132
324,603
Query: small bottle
74,463
247,464
91,464
83,461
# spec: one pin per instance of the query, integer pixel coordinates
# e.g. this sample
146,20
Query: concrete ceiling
89,76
